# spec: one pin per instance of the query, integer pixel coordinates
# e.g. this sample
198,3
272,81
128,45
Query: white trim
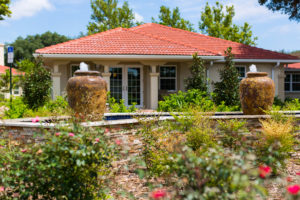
262,61
146,57
168,78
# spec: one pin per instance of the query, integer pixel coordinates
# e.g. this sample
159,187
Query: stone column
106,76
56,79
153,88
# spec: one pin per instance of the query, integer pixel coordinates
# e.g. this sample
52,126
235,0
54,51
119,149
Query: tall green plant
227,89
107,15
37,85
198,78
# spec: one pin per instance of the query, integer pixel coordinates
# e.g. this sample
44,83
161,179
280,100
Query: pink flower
293,189
57,134
118,142
97,140
71,134
2,189
35,120
157,194
298,173
23,150
264,171
106,130
1,147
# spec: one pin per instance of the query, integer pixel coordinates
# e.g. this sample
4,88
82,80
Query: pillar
153,88
106,76
56,79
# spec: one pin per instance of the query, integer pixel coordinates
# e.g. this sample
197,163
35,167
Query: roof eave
282,61
124,57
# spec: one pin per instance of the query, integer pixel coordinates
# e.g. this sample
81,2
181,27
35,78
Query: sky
70,17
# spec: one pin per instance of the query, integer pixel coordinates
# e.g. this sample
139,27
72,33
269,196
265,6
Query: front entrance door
126,83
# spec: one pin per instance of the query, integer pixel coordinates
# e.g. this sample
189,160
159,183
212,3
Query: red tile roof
14,71
294,66
155,39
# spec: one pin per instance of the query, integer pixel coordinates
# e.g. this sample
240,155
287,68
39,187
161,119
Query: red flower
107,130
293,189
97,140
35,120
23,150
57,134
298,173
157,194
264,171
289,179
118,142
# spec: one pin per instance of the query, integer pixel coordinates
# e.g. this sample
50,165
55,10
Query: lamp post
10,60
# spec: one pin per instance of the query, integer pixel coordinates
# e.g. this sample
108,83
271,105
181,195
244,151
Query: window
74,68
292,83
17,91
242,72
168,78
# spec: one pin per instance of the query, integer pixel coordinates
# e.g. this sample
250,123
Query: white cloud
138,17
28,8
251,10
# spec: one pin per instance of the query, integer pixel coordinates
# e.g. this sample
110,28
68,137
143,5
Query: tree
227,89
289,7
107,15
25,47
4,9
37,85
173,19
5,82
216,23
198,78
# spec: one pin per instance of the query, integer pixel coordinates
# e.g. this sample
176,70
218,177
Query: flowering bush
70,164
275,142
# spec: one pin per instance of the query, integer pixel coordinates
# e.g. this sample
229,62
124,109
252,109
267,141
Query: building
17,91
143,63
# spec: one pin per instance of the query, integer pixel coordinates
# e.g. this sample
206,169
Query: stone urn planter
87,93
257,93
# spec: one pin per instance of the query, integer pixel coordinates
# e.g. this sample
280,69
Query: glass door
116,83
134,86
126,83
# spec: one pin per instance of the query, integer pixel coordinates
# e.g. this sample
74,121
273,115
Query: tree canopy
107,15
289,7
25,47
4,9
216,23
173,19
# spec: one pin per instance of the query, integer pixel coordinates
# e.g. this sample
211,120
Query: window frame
291,82
71,66
168,77
241,66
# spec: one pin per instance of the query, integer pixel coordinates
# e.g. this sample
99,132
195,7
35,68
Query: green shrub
214,174
119,107
227,89
275,142
64,166
232,133
37,86
198,78
16,109
183,100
